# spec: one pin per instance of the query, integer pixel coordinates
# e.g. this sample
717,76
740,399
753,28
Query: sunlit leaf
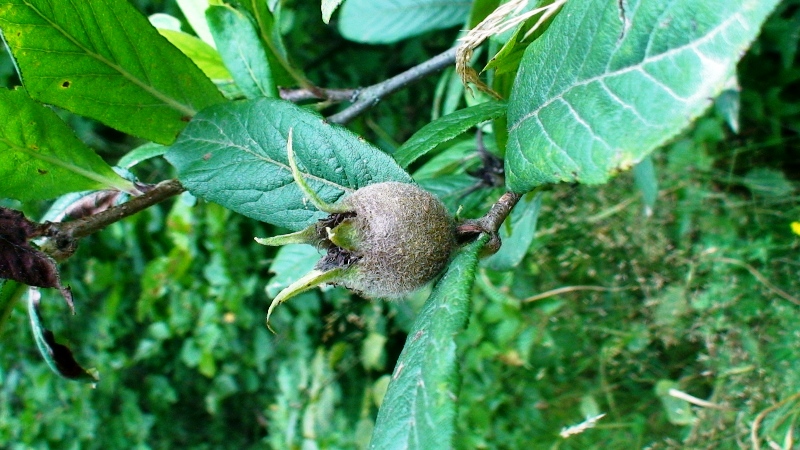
40,157
104,60
202,54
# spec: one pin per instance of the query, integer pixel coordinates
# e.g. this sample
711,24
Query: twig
370,96
761,278
565,289
66,233
763,414
697,401
317,93
490,223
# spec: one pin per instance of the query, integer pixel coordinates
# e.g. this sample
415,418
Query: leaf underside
612,80
57,356
387,21
103,59
418,411
235,155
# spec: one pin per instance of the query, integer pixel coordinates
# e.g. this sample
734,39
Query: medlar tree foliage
570,91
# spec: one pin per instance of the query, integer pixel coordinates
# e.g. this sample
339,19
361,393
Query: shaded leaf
419,408
387,21
240,47
768,182
517,233
57,356
21,262
102,59
40,157
445,129
605,86
235,155
644,175
679,411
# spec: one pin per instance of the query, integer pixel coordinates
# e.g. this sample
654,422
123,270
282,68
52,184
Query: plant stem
318,93
489,224
370,96
66,233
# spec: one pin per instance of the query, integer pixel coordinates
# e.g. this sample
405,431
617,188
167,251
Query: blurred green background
678,319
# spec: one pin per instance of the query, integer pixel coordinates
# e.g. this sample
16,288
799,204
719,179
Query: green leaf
141,153
387,21
517,233
767,182
102,59
679,411
240,47
40,157
419,409
235,155
291,260
195,13
605,86
644,175
446,128
202,54
10,293
57,356
267,17
328,8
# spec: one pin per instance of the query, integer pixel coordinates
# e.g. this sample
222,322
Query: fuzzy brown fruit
383,240
403,238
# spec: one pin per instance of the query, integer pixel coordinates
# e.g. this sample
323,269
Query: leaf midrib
91,175
636,67
166,99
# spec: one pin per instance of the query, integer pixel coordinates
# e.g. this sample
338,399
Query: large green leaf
235,155
102,59
446,128
240,47
419,409
387,21
40,157
611,81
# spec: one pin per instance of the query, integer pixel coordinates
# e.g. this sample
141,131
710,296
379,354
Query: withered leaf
58,356
21,262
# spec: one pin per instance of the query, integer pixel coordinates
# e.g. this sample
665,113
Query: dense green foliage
674,315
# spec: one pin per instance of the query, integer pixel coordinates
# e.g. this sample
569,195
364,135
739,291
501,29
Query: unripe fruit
403,238
383,240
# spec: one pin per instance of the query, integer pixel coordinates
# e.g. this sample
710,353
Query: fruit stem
490,223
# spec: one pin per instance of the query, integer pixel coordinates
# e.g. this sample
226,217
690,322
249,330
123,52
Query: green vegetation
657,310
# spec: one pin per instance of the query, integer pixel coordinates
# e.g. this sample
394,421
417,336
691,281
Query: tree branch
318,93
490,223
64,235
370,96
